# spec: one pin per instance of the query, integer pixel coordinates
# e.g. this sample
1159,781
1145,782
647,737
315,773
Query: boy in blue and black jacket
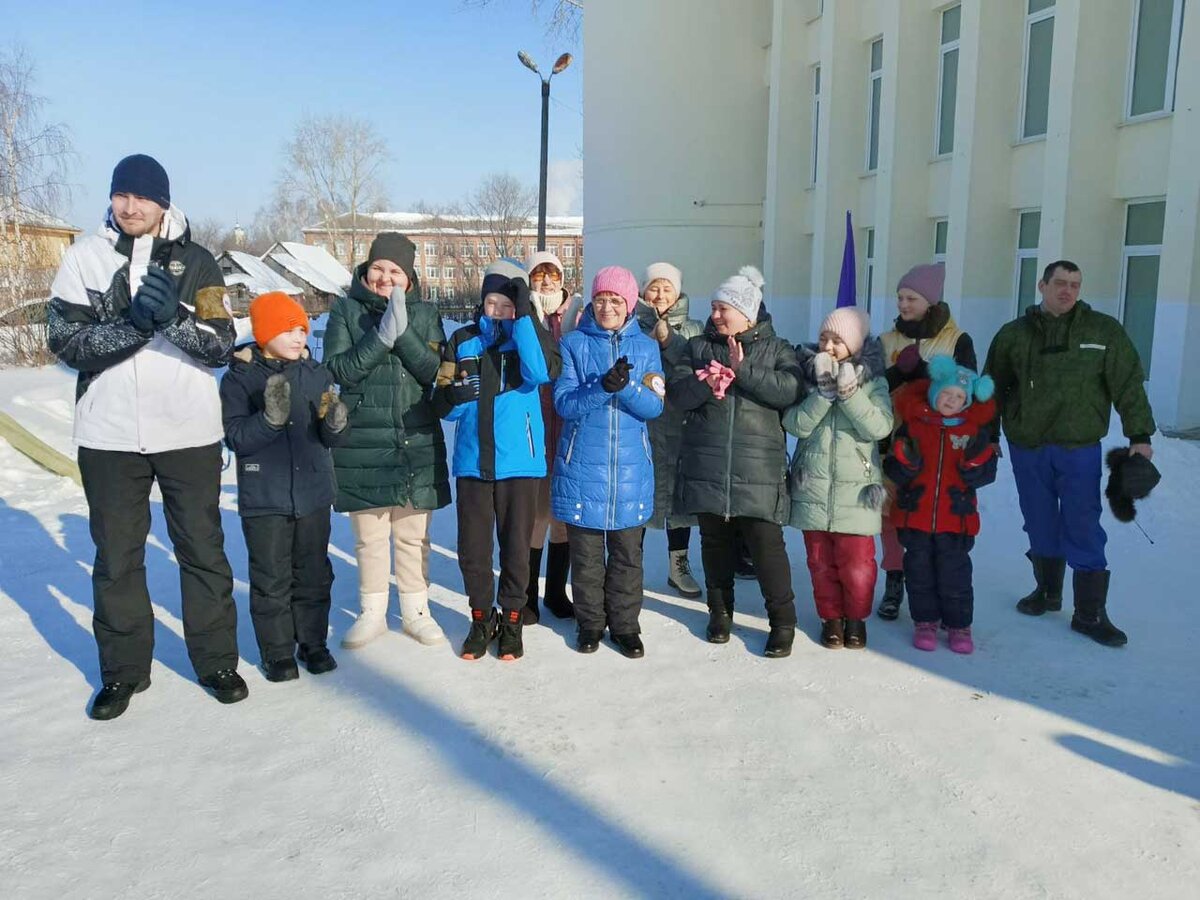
488,386
281,417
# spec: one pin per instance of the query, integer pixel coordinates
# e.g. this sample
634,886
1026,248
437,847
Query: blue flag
847,284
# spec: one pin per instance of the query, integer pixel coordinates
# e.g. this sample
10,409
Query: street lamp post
559,64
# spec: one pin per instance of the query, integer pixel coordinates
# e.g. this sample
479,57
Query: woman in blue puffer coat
603,487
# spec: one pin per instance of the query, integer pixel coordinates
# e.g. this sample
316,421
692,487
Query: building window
517,251
816,123
552,248
874,99
430,250
1029,228
431,271
449,293
448,272
433,294
339,249
1035,85
941,234
568,251
948,81
569,271
464,250
1139,274
483,251
870,266
1155,54
448,251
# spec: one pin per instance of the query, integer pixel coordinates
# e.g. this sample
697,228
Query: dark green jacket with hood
1058,378
395,453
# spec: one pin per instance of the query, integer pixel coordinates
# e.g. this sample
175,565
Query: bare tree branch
564,18
34,160
332,165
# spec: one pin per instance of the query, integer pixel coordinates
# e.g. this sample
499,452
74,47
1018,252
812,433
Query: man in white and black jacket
141,312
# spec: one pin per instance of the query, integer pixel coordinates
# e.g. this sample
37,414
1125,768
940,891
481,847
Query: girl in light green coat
836,480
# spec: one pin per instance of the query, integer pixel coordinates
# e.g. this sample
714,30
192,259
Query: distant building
247,276
311,267
40,240
453,251
996,135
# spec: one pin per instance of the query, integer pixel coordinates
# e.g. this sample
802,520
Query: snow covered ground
1043,766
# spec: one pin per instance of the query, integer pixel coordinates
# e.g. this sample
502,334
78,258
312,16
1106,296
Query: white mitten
847,380
825,372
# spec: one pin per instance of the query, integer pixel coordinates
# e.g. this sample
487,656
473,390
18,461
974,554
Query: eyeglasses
610,302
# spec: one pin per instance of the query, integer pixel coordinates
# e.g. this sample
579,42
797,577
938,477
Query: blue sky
213,90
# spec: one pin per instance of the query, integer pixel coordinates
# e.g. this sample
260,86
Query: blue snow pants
1059,490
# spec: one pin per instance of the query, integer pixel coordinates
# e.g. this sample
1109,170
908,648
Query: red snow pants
843,573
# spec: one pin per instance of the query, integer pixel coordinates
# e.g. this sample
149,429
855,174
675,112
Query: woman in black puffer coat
733,466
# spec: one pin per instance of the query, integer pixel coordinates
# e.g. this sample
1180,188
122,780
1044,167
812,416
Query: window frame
940,257
814,162
943,50
873,76
1032,19
1169,92
1024,253
1128,251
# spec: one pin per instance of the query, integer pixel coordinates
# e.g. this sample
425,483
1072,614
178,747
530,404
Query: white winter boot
418,623
371,622
679,575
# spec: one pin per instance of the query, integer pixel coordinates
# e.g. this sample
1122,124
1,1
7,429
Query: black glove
904,463
156,301
978,476
464,390
617,378
521,302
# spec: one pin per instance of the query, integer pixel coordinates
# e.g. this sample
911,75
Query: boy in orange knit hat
281,417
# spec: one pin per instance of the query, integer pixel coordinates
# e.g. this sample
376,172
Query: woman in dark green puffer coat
662,313
733,382
383,346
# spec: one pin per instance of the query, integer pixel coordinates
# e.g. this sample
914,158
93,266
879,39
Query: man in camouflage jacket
1059,370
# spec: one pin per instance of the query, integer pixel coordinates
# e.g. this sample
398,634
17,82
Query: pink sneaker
925,636
960,640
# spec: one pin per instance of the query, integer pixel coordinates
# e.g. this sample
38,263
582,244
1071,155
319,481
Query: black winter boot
588,641
779,641
226,685
893,597
531,614
1047,596
558,566
280,669
113,698
1091,617
317,659
630,645
855,635
833,633
510,648
483,631
720,616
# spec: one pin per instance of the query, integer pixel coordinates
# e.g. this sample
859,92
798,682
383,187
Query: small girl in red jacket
940,456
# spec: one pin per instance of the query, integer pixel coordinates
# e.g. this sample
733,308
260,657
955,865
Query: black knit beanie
142,176
395,247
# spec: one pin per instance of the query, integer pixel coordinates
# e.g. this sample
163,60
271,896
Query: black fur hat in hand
1131,477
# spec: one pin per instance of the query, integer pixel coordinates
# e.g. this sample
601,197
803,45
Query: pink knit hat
850,324
928,281
616,280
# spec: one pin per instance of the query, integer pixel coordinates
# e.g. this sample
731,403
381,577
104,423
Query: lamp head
527,61
561,63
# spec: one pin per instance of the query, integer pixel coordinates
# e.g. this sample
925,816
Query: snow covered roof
429,223
32,218
318,258
257,276
307,273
